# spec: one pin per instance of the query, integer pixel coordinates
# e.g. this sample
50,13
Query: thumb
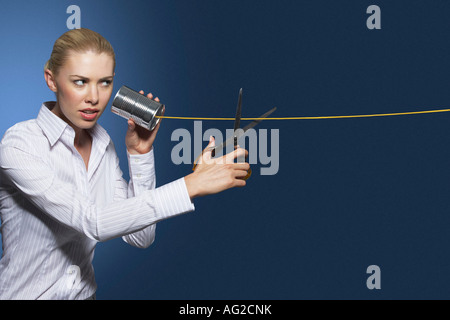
131,125
212,142
206,154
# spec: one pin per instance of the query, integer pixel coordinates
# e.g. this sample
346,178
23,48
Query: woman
61,187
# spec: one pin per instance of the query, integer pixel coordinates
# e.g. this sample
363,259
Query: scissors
238,133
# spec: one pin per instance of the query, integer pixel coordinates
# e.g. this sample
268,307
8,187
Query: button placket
82,174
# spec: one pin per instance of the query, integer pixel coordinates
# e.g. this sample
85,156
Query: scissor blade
261,118
240,133
237,121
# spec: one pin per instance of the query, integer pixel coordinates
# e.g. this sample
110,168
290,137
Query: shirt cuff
173,199
142,166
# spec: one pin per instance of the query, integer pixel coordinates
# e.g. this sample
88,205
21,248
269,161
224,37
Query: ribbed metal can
128,103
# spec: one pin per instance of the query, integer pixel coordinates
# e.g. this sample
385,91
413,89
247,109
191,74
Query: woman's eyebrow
83,77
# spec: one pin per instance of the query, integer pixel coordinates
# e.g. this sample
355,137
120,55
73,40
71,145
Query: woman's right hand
213,175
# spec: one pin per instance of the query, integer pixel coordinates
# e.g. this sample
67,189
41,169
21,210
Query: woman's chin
84,124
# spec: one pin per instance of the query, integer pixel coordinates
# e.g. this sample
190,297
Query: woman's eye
79,82
106,83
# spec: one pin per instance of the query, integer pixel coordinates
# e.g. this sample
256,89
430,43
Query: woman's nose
92,96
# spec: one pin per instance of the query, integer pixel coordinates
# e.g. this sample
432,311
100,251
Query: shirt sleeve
142,178
36,180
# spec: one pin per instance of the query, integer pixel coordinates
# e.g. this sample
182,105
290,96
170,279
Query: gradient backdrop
349,193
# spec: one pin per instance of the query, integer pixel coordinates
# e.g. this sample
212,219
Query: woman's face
83,87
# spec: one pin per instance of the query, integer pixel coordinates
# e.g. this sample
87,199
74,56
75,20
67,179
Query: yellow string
308,118
314,118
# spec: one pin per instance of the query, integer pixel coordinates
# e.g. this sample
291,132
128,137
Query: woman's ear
50,79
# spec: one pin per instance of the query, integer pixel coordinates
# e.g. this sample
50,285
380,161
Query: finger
141,91
150,96
157,99
239,183
239,152
240,166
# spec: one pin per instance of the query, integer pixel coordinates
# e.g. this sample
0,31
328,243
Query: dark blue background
349,192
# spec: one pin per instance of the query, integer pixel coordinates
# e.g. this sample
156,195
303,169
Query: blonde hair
80,41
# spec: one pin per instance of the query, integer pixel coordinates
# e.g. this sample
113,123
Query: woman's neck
83,144
82,138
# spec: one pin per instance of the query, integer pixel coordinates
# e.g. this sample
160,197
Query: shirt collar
54,127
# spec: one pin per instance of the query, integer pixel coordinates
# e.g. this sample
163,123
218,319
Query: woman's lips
89,114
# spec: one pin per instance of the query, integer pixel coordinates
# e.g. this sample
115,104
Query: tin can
131,104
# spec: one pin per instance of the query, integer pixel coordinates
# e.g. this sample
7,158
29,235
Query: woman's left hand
140,140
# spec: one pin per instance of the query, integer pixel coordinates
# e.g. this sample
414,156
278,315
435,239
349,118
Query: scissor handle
249,173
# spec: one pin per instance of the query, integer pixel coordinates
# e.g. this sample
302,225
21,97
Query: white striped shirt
54,211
